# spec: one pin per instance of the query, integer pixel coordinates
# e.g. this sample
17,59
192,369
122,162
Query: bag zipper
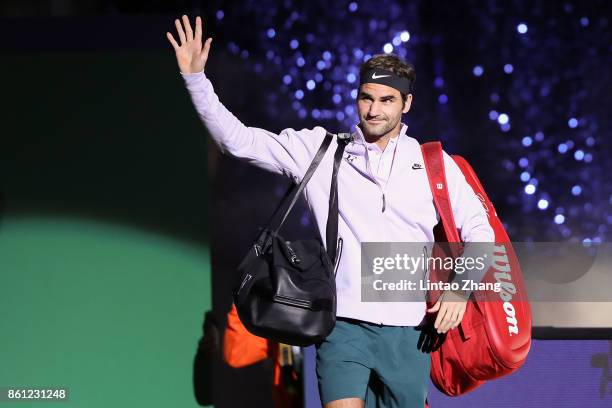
245,280
338,254
293,257
293,301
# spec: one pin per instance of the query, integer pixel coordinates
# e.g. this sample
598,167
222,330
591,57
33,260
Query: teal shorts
382,365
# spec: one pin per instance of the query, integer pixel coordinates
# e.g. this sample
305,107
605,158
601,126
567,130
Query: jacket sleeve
288,153
468,211
471,218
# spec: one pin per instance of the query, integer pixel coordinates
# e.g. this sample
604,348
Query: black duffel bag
287,289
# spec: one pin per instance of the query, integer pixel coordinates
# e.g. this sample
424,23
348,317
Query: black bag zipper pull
383,202
294,258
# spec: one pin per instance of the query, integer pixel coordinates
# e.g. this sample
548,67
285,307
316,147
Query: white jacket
366,175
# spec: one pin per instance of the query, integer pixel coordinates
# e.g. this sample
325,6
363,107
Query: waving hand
190,55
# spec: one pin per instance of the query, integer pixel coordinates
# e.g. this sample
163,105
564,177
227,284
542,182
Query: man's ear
407,104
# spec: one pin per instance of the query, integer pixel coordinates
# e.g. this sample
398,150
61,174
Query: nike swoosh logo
416,166
374,76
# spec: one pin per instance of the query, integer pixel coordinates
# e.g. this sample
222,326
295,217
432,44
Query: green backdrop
104,255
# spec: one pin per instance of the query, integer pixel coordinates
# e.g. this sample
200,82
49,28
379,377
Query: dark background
96,121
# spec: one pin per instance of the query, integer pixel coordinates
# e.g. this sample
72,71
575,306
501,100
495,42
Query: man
371,357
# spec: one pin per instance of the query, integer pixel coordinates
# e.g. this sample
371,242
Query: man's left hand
451,308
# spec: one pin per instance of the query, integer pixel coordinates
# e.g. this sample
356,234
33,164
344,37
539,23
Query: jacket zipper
382,191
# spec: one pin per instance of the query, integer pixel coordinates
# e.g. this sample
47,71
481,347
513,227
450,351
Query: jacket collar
359,145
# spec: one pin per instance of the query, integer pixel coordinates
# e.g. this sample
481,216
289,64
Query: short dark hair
393,63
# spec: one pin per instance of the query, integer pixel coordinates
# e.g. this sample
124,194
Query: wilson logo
484,204
503,275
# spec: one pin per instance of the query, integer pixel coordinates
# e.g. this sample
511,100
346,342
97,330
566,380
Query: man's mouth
375,120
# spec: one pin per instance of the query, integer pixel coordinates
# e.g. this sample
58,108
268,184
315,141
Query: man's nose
374,109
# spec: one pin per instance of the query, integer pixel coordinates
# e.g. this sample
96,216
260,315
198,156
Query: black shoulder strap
292,195
331,230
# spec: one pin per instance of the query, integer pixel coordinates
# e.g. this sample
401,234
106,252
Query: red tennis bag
494,337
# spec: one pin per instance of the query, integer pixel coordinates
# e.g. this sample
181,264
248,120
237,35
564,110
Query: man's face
380,110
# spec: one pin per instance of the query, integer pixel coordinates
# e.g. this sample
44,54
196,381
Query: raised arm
287,153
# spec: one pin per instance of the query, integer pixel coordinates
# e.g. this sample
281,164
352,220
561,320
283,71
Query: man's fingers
172,41
198,29
188,30
460,317
179,29
450,321
453,318
450,314
441,314
453,322
206,49
443,325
